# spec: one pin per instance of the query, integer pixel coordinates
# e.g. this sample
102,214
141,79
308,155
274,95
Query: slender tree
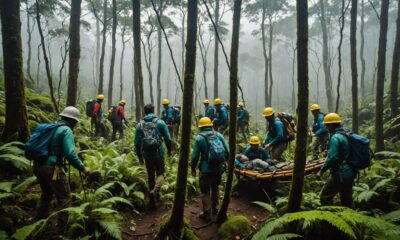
148,57
300,155
30,29
103,48
380,84
233,77
216,51
113,50
362,44
16,125
395,68
74,51
137,55
353,57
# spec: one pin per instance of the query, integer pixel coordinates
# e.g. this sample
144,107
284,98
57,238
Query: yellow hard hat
332,118
254,140
217,101
165,101
315,107
205,122
100,97
206,101
268,111
241,104
122,102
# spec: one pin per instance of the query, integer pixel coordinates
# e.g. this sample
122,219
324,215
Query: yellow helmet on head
332,118
217,101
100,97
205,122
254,140
268,111
241,104
165,101
315,107
122,102
206,101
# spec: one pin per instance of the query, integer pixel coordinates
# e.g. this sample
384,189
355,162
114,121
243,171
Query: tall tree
300,155
103,47
137,56
121,63
395,68
148,31
353,59
362,44
380,84
113,50
74,51
204,47
16,125
216,50
233,79
30,29
174,227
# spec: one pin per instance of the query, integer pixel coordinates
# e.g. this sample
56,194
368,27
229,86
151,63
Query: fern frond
6,186
103,210
393,217
114,200
283,236
366,196
266,206
112,227
20,188
381,184
26,231
18,162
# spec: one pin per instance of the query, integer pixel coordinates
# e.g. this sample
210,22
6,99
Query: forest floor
146,225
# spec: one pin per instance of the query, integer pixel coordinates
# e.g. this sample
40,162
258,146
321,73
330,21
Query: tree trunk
137,52
60,72
326,56
159,68
103,49
46,60
300,155
293,76
395,68
74,51
16,124
29,31
222,214
121,62
183,41
97,50
38,64
136,88
266,63
353,56
362,44
113,49
341,22
174,227
216,51
271,32
148,66
203,51
380,144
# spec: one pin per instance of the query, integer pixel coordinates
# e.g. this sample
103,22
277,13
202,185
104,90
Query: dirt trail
146,225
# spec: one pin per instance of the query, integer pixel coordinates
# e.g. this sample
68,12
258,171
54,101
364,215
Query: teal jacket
168,115
164,134
241,116
338,152
319,128
260,153
63,145
200,150
275,135
209,112
221,116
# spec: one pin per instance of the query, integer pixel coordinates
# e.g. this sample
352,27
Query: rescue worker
168,116
243,120
342,176
97,117
254,157
208,110
50,173
149,135
119,119
320,134
275,141
210,174
221,116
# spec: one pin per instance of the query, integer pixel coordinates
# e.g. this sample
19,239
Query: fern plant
12,158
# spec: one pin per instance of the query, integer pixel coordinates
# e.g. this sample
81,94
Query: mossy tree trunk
16,125
174,227
380,84
353,60
137,53
395,68
74,51
300,155
113,50
233,79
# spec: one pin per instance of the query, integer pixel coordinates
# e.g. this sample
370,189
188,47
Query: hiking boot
205,216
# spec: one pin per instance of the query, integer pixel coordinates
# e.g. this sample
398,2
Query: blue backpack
38,147
360,153
216,150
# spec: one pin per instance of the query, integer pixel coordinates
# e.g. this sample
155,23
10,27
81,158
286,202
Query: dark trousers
52,181
243,128
209,183
117,127
334,186
155,166
277,152
99,128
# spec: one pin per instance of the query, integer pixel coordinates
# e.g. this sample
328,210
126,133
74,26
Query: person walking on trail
50,170
119,119
149,136
208,110
221,116
254,157
320,133
243,121
97,117
275,141
168,116
342,175
212,150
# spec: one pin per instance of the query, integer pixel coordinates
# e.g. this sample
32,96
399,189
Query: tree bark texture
113,50
216,51
362,44
266,62
341,22
159,67
395,68
148,66
121,64
29,42
74,51
103,49
300,157
16,125
271,81
137,52
353,60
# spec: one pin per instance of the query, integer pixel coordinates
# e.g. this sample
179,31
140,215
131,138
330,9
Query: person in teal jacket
208,110
221,116
243,121
210,174
50,173
320,133
342,175
275,139
154,160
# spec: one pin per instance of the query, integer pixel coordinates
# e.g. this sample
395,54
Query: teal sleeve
137,141
165,134
321,127
68,146
195,153
264,154
240,115
333,154
279,134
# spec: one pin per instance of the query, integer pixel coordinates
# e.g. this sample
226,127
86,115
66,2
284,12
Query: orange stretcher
279,174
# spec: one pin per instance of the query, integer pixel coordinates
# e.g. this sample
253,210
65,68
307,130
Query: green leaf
20,188
266,206
18,162
26,231
114,200
283,236
112,227
104,211
139,195
6,186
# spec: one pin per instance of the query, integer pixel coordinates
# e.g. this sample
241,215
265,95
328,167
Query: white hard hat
71,112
